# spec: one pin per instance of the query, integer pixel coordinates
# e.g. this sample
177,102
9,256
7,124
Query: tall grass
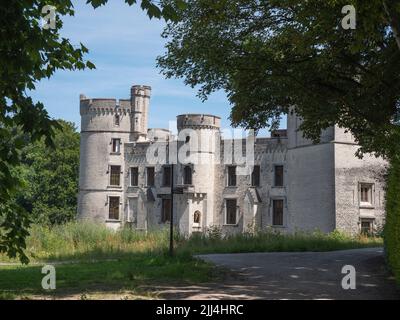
90,240
271,241
87,240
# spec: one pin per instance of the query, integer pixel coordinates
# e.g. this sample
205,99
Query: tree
272,56
50,176
30,53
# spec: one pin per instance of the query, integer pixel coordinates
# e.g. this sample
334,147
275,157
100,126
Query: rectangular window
231,208
187,175
115,175
255,176
366,226
150,176
166,176
277,212
231,176
113,208
166,210
116,145
366,193
278,176
134,177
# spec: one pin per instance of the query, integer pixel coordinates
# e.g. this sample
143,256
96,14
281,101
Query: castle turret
106,125
140,101
200,134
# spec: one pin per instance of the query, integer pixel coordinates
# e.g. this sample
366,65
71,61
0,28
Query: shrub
392,226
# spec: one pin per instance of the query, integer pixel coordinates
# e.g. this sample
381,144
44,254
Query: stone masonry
292,185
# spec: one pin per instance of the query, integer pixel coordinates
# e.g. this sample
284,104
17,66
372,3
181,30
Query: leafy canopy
272,56
30,53
50,176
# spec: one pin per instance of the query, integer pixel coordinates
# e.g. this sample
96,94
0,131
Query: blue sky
123,44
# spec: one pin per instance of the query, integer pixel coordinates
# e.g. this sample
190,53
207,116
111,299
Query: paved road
305,275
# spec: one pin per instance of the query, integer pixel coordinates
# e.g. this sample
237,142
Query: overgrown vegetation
91,259
87,241
270,241
392,226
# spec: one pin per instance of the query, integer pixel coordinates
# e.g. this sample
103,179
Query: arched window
187,175
196,217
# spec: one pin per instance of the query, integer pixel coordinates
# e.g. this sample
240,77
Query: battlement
140,91
104,106
198,121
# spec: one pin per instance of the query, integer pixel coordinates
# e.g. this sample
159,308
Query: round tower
198,142
106,125
140,101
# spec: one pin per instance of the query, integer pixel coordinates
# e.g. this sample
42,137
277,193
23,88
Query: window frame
188,182
282,175
164,169
153,178
118,146
226,212
253,184
165,218
131,176
282,219
371,222
370,194
111,166
228,176
118,208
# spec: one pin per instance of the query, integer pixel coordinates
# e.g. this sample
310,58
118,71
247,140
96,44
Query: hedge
392,227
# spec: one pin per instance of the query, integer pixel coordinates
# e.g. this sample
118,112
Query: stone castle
293,184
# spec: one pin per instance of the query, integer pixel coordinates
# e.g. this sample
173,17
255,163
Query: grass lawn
94,262
104,278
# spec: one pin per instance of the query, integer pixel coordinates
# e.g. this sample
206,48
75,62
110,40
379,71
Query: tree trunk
392,9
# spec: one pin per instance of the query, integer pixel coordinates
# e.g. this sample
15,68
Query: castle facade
284,182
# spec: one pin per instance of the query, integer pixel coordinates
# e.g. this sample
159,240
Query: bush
392,226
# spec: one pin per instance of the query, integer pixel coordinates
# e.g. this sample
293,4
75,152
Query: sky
123,43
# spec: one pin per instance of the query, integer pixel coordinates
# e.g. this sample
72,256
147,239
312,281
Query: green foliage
392,226
270,56
50,177
87,240
273,241
30,53
89,256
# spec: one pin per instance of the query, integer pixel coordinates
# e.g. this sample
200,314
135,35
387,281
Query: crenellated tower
106,126
200,135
